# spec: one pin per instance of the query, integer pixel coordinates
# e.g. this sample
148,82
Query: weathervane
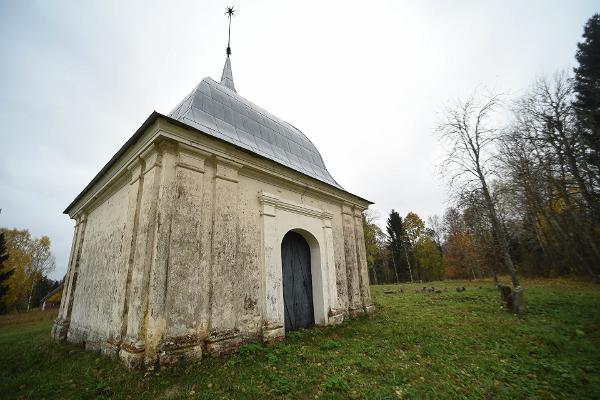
230,13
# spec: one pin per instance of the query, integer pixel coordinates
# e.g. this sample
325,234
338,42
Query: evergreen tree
41,289
4,275
587,87
396,234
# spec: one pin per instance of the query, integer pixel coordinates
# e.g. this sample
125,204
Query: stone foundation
356,311
222,346
131,357
273,331
60,330
183,348
182,354
336,317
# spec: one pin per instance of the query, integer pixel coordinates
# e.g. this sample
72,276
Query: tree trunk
394,263
512,300
30,296
375,275
499,232
408,262
494,276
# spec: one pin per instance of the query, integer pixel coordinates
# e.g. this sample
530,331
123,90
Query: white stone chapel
216,225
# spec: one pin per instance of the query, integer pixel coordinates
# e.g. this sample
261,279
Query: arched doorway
297,282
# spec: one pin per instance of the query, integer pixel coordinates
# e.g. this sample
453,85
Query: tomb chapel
215,225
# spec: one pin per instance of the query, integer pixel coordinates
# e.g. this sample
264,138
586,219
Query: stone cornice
269,199
228,162
80,219
347,209
157,130
254,165
191,158
227,169
152,157
135,170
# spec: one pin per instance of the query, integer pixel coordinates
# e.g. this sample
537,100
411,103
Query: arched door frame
300,252
279,217
318,286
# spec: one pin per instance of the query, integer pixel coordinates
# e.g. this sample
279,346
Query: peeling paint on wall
179,255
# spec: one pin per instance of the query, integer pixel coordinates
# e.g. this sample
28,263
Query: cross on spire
230,13
227,76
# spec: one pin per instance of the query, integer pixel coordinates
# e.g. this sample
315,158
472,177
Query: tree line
25,263
524,178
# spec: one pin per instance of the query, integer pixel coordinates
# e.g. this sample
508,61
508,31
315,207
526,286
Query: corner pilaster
223,336
274,320
335,315
351,258
155,322
187,305
136,181
133,346
361,254
61,325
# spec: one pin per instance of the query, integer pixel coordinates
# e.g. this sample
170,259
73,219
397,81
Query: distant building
213,226
52,299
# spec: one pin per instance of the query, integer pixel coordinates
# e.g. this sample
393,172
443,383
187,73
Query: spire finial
230,13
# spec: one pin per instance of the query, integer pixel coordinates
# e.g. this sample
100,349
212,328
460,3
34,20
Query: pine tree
587,88
4,275
396,234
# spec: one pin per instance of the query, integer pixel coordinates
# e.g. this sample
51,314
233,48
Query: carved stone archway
279,217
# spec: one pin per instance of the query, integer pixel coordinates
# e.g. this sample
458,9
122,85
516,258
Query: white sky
365,81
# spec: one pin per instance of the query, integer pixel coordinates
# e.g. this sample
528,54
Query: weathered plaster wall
180,254
100,275
188,289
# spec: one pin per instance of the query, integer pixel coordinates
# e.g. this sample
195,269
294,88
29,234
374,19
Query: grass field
417,345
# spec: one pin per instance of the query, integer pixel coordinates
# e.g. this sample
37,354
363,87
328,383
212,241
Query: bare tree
477,224
548,119
470,137
437,230
544,162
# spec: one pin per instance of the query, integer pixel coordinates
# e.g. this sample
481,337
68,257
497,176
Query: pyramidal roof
217,110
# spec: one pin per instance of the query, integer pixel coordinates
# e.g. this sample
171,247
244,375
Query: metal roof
217,110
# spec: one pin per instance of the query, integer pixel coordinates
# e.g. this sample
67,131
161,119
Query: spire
230,13
227,76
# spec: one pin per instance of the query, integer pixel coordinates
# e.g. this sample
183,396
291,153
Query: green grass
433,345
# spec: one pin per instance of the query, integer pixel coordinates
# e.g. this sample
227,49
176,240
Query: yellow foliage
30,259
429,258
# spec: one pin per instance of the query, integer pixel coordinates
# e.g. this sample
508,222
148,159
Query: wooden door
297,282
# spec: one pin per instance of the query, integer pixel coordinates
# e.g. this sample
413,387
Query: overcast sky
365,81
